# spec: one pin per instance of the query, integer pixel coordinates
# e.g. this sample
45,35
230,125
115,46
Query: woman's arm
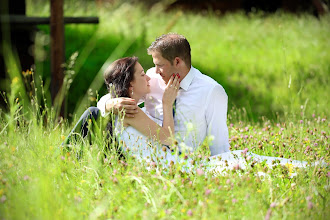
148,127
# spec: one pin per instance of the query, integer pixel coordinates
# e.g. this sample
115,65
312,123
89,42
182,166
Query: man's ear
177,61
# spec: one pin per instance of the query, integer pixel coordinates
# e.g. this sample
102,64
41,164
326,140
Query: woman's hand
171,90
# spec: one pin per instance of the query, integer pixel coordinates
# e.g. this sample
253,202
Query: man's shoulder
205,80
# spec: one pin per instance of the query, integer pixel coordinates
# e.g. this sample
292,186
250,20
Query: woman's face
140,84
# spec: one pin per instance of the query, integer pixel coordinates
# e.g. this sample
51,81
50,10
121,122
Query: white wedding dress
144,149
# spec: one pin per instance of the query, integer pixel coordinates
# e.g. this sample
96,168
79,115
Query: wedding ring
171,86
175,87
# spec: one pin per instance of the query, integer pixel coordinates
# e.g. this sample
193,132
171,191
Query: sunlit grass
267,64
40,179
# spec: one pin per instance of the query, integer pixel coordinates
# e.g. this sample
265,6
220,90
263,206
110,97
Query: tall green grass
39,179
269,64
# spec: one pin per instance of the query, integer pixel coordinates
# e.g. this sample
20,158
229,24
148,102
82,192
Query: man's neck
184,72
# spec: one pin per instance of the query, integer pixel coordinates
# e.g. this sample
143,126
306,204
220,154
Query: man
201,104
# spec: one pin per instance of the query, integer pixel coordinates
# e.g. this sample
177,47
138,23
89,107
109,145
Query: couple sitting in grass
183,109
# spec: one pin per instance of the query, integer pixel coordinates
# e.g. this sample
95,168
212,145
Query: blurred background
272,57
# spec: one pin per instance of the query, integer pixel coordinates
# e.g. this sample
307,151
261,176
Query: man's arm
106,103
216,118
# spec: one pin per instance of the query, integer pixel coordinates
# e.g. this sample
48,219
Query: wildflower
245,150
78,198
3,199
207,192
323,119
268,214
26,177
153,164
313,115
310,205
290,168
228,181
234,200
189,212
236,167
301,121
199,172
62,158
105,160
114,172
328,175
273,205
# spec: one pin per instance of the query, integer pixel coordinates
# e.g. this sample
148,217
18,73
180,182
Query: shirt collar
185,83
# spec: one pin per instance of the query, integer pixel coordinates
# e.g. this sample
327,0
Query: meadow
275,69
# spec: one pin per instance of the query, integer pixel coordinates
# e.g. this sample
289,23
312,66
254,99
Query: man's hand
126,104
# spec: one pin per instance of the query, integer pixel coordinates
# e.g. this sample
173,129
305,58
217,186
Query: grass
268,64
275,69
41,180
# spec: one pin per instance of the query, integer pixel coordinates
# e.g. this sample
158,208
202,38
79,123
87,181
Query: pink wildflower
3,199
207,192
189,212
268,214
200,172
310,205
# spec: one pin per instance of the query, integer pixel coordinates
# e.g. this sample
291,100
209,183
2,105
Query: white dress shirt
201,110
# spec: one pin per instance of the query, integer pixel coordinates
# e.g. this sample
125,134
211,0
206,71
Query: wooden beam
27,20
57,49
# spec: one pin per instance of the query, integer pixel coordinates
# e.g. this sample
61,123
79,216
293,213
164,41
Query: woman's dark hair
118,77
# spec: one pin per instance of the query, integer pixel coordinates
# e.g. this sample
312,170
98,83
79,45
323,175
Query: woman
142,136
148,140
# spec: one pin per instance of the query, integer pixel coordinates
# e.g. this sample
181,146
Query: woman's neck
135,97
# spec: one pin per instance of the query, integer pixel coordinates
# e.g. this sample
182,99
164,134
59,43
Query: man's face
163,67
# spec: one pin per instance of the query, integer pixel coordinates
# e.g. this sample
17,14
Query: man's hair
170,46
118,76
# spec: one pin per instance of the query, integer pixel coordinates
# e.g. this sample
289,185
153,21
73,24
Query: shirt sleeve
101,104
216,118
